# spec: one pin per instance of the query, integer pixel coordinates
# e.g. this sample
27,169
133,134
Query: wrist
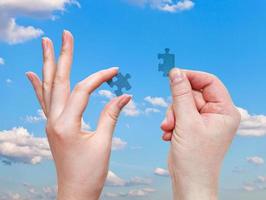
190,188
77,192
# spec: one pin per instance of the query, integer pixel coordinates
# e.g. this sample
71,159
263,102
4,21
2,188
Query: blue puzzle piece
120,82
168,62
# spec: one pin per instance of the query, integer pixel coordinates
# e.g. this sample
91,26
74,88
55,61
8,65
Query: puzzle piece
120,82
168,62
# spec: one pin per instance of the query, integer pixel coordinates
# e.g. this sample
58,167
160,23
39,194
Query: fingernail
164,121
28,74
65,35
124,99
176,76
115,68
45,43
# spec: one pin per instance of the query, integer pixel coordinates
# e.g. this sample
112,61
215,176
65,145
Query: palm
81,157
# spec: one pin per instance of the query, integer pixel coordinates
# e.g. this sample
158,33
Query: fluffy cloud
106,93
171,6
18,145
131,193
8,81
34,119
138,181
118,144
252,125
256,160
32,193
249,188
131,109
151,110
256,185
114,195
156,101
11,196
40,116
116,181
161,172
141,192
13,33
2,61
261,179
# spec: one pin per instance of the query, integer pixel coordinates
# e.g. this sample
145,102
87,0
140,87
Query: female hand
81,157
200,123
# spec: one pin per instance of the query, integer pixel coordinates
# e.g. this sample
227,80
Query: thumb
109,116
183,102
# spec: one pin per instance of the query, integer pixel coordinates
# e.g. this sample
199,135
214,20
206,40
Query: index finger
79,98
213,90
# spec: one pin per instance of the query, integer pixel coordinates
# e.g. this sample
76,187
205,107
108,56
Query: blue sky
226,38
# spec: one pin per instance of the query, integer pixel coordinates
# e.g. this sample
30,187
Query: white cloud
249,188
106,93
151,110
131,109
13,33
252,125
18,145
161,172
141,192
138,181
262,179
118,144
131,193
156,101
38,118
31,193
178,6
116,181
255,160
113,195
8,81
41,117
171,6
2,61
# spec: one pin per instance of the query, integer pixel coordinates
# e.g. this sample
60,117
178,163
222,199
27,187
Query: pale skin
200,124
81,157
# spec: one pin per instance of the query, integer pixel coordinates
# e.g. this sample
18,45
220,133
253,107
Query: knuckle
47,85
59,79
62,83
112,115
55,129
214,78
211,76
238,116
79,87
102,73
183,92
64,51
